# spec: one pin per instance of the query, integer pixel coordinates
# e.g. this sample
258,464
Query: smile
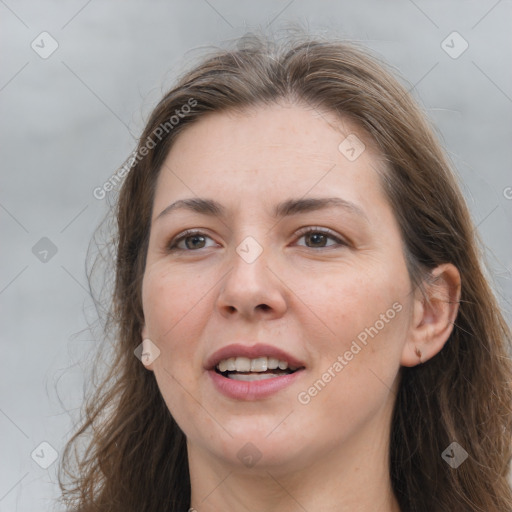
259,368
257,385
252,372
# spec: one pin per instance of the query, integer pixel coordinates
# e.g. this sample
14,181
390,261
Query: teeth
229,365
273,363
242,364
258,364
248,377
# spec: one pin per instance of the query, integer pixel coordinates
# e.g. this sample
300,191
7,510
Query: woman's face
275,273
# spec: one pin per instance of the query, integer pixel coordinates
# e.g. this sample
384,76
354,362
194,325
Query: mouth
259,368
244,372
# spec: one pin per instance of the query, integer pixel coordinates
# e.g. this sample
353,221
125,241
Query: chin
252,449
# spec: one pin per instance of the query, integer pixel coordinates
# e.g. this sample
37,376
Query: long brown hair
135,456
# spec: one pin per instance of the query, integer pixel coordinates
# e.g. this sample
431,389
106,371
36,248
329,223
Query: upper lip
252,352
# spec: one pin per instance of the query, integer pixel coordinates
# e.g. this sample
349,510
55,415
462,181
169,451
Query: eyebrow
284,209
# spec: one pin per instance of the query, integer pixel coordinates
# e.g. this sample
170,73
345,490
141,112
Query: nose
252,290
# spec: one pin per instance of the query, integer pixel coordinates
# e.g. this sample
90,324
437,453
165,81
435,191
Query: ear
150,351
434,313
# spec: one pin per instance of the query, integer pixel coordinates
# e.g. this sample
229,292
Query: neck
350,477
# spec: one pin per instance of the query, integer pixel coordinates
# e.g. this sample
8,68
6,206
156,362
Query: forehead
269,151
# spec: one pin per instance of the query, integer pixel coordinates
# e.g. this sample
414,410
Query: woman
298,276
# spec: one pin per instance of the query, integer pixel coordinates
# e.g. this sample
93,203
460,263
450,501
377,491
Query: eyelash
172,246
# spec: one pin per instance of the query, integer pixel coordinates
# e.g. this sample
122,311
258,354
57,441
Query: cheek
175,310
356,367
170,300
365,317
349,300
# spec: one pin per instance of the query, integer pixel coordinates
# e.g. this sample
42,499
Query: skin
310,296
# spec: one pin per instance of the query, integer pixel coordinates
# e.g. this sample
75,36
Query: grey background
67,125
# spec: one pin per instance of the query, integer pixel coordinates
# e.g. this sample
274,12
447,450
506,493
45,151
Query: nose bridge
249,249
250,266
251,283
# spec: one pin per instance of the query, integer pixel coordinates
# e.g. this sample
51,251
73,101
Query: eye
318,237
192,240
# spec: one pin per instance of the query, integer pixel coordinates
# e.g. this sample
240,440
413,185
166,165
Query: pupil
194,238
314,238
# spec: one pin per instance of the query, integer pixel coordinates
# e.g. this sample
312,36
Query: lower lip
253,390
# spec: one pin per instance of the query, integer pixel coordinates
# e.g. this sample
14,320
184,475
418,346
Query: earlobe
433,316
150,351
